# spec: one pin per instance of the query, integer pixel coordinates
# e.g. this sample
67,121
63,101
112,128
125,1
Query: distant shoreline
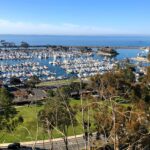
114,47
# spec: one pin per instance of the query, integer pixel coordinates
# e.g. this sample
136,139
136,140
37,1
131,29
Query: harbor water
49,70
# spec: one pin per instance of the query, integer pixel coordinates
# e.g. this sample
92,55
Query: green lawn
57,82
30,129
27,130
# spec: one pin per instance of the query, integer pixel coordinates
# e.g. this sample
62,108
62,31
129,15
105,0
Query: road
58,144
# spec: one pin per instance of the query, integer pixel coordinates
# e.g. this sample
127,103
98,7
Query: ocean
79,40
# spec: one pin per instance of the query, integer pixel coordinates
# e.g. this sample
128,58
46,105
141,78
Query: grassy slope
57,82
27,131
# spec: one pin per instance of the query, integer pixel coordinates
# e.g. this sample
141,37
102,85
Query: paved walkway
58,143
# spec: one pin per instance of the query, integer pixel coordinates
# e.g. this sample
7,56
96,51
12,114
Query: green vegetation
33,80
8,119
120,112
58,82
15,81
148,56
27,131
58,115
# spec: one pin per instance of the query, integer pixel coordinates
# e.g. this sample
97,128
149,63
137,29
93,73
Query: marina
61,62
85,67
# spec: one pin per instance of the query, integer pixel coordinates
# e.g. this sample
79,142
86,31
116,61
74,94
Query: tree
56,115
15,81
51,93
68,89
124,126
148,75
119,125
103,123
32,81
7,111
112,83
148,56
6,103
128,74
146,78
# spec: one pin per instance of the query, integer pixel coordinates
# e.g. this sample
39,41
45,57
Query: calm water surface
79,40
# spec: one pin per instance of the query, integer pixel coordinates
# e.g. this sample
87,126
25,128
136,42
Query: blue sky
75,17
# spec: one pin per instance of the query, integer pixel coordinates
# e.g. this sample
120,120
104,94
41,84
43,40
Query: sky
75,17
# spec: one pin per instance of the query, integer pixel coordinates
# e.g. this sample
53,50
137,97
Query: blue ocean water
79,40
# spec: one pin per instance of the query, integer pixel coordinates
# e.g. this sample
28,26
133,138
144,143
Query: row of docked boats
14,55
25,70
40,54
69,63
84,66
